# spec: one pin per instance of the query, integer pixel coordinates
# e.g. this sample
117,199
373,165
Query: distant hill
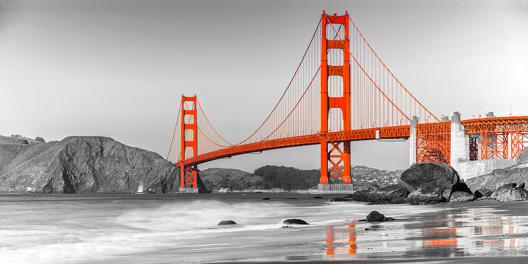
217,178
290,178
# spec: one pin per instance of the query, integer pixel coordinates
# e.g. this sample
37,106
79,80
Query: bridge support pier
189,141
412,141
336,154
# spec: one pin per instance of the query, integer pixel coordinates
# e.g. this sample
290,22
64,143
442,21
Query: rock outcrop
496,179
510,193
82,164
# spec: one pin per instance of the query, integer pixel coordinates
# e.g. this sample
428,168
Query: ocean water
121,228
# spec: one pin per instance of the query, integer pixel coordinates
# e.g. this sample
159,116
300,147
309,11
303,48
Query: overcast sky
117,68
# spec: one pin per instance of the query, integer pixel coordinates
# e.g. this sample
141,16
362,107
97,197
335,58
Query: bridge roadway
483,126
393,132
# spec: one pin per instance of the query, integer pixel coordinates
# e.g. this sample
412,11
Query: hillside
80,164
217,178
289,178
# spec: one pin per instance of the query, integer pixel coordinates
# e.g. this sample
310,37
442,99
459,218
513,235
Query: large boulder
430,177
430,182
83,164
509,193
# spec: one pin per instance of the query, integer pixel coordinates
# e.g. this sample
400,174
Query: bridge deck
393,132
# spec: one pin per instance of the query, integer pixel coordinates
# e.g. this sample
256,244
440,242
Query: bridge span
341,91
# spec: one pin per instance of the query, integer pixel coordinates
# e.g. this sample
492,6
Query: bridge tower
338,157
188,140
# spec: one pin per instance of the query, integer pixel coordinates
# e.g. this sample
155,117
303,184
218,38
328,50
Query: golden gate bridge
342,91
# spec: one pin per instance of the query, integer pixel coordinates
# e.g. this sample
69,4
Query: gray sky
118,67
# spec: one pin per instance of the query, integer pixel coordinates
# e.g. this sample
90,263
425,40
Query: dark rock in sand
507,193
294,221
483,193
83,164
459,196
227,222
318,197
266,199
376,216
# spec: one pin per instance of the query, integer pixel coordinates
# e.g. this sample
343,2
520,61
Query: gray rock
39,139
294,221
393,194
483,193
227,222
417,197
432,179
83,164
460,192
509,194
497,178
460,196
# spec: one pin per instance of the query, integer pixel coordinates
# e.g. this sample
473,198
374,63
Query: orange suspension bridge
341,91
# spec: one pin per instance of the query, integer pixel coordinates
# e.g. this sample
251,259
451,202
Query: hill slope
81,164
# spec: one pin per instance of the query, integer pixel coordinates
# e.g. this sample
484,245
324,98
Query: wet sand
483,231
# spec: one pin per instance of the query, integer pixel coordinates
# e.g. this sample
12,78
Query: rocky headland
81,165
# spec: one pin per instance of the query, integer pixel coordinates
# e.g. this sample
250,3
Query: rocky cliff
81,164
515,174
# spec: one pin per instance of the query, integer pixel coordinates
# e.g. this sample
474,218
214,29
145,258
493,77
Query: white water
135,230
